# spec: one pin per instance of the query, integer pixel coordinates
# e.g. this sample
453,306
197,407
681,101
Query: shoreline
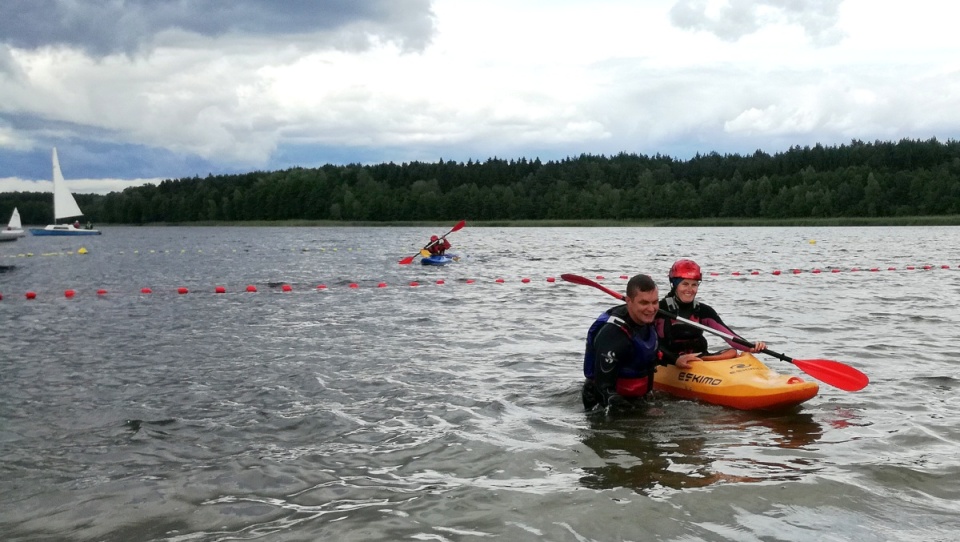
947,220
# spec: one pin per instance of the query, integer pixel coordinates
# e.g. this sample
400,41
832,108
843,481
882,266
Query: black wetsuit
620,358
679,338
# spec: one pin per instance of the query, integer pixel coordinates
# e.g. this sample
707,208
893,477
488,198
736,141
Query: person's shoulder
705,309
618,310
704,306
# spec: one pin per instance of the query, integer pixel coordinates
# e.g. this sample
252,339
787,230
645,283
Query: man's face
643,306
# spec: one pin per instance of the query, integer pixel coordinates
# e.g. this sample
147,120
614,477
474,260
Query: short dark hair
640,283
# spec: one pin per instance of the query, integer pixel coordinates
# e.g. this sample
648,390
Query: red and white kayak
743,382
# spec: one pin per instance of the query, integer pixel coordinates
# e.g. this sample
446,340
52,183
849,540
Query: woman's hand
684,361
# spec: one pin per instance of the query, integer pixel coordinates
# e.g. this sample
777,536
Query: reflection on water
652,450
452,412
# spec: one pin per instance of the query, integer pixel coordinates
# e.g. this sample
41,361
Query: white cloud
507,78
77,186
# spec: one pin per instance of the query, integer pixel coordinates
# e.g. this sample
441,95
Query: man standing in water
622,351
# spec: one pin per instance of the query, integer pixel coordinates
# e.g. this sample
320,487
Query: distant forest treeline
880,179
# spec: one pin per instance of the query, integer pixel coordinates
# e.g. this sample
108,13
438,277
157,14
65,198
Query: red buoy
220,290
251,288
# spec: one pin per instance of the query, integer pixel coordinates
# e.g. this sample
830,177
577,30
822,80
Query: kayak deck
743,382
437,259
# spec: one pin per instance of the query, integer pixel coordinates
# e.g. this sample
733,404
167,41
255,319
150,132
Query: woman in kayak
681,338
622,350
438,246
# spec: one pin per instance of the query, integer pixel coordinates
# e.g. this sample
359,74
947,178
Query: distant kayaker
622,350
438,246
680,338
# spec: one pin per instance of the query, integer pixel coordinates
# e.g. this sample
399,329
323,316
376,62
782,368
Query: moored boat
743,382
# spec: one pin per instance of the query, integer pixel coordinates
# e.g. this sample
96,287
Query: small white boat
14,229
64,206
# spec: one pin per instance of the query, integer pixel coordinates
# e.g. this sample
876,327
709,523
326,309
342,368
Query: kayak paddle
424,252
832,372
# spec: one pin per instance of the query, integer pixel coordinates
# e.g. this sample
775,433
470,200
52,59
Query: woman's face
687,290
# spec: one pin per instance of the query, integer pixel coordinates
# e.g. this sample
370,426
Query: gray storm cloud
737,18
104,27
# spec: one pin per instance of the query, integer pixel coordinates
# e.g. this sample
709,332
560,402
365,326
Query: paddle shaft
677,317
717,332
583,280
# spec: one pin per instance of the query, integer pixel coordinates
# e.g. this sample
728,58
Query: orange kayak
743,382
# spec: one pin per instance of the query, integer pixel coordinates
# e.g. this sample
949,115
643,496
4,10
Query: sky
136,91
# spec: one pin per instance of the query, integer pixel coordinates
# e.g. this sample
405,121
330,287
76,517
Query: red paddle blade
407,260
836,374
459,226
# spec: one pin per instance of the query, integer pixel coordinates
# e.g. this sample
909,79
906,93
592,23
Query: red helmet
685,269
433,237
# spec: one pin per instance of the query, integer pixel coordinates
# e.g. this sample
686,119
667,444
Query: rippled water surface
375,409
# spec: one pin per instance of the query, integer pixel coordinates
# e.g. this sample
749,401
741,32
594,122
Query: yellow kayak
743,382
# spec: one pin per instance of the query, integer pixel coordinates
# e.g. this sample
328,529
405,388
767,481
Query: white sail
14,223
64,206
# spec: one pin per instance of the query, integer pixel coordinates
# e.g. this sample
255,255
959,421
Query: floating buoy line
183,251
285,287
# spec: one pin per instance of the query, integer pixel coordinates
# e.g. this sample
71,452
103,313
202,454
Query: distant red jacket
439,247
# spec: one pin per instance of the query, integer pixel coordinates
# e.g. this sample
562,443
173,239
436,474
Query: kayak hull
436,260
743,382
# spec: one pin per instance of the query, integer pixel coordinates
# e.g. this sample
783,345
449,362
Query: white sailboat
64,206
14,228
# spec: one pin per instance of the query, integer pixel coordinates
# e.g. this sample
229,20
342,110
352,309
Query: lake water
450,410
